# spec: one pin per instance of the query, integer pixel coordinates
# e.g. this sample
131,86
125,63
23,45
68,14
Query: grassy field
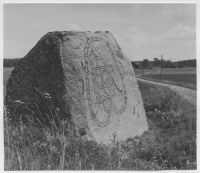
168,71
176,71
169,144
138,71
185,77
6,74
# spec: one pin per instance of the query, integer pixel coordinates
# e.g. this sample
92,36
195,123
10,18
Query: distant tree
156,62
186,63
146,63
141,64
168,64
7,62
135,65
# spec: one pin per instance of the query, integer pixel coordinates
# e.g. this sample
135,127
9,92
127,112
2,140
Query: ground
188,94
169,143
185,77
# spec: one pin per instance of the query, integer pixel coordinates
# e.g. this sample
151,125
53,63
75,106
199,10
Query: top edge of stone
65,33
62,34
74,31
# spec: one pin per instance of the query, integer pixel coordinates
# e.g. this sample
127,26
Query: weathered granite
89,77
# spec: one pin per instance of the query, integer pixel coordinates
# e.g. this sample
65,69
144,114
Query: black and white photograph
99,86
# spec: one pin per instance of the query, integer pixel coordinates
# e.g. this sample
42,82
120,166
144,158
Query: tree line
145,63
165,63
11,62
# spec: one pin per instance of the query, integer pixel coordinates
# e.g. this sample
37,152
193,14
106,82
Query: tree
155,59
146,63
169,64
136,66
156,62
11,62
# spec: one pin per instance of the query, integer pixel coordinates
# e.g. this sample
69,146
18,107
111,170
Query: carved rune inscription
104,78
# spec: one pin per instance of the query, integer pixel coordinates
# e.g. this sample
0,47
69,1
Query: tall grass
175,119
170,142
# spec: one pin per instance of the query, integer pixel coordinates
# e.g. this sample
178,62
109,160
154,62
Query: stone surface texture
87,75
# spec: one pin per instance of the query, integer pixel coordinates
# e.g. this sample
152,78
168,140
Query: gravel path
188,94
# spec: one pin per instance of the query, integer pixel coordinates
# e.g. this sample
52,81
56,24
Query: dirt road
188,94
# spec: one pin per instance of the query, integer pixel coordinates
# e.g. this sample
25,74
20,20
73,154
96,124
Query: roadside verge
188,94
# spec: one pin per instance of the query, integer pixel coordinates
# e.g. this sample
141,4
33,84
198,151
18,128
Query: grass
138,71
168,71
6,74
189,70
170,142
185,77
157,79
182,78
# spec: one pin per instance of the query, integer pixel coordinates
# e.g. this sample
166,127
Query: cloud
180,32
134,9
35,24
72,26
15,20
117,37
141,39
132,30
140,45
177,11
136,37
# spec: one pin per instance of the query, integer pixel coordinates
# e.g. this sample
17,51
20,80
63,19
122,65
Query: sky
144,31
